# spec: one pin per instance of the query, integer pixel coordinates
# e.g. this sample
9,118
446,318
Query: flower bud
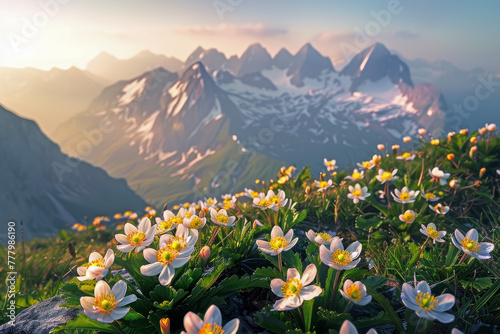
308,189
454,184
450,157
407,139
473,150
257,223
481,172
376,159
473,140
395,149
422,132
165,325
381,147
450,134
205,254
435,142
482,131
464,132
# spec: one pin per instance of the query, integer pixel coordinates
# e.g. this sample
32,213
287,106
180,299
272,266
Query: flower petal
119,290
213,316
276,232
127,300
192,323
101,288
152,269
129,228
166,275
232,326
276,285
309,274
119,312
472,235
309,292
150,255
445,302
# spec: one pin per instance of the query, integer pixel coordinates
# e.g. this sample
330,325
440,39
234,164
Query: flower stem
462,259
348,307
217,229
421,250
117,326
335,287
387,194
280,263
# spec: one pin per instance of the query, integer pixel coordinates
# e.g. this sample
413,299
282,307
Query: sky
65,33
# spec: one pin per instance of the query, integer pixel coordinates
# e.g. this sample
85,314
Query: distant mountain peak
308,63
282,59
254,59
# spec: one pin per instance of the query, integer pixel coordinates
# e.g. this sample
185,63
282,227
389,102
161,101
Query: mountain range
47,189
223,122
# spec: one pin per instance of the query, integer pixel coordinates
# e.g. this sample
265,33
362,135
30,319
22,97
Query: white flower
251,193
279,200
211,202
470,246
367,164
107,306
407,217
431,232
183,213
348,328
323,185
136,238
425,304
212,323
430,197
320,238
405,196
355,293
491,127
384,176
439,175
195,222
278,243
456,331
296,289
330,164
221,218
169,222
358,193
174,252
338,258
440,209
262,202
356,175
406,156
97,267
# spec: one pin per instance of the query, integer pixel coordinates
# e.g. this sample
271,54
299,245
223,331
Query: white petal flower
296,289
278,200
221,218
174,252
406,156
107,305
195,222
338,258
212,323
425,304
440,209
262,202
355,292
97,267
323,185
330,164
320,238
408,217
356,175
358,193
431,232
469,244
136,238
278,243
430,197
385,176
438,175
251,193
348,328
405,195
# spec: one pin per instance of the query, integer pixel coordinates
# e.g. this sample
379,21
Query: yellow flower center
276,200
164,226
386,176
223,219
470,245
367,164
177,243
291,288
356,176
211,329
341,257
426,301
323,184
406,155
404,196
330,163
254,194
105,304
278,243
96,263
166,255
325,236
354,292
196,222
433,233
430,196
408,216
210,201
439,208
357,193
136,238
264,202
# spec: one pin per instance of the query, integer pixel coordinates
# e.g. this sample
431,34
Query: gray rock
41,318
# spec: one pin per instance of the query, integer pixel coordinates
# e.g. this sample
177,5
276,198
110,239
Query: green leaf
307,308
268,272
375,282
84,322
272,321
367,224
479,283
386,305
485,298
